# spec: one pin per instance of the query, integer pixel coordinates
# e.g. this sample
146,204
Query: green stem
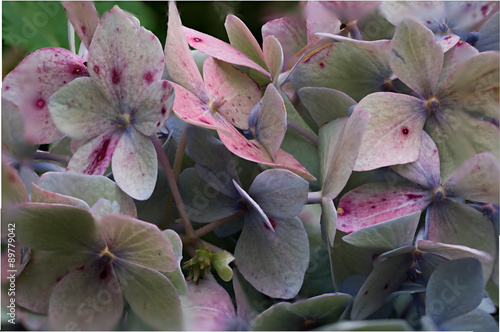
314,197
216,224
163,160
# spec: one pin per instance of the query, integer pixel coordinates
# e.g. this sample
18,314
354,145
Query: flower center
106,255
123,120
438,194
432,106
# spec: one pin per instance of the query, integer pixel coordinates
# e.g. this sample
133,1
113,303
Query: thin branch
216,224
304,132
314,197
163,160
43,155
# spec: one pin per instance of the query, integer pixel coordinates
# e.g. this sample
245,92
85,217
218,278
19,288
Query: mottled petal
220,50
475,178
13,189
242,38
88,299
124,60
458,54
138,242
33,81
151,295
256,209
474,85
254,151
178,59
94,157
57,227
44,271
374,203
232,93
274,56
290,32
430,13
351,10
425,170
416,58
394,132
13,138
84,18
38,195
152,111
134,164
319,20
81,111
488,35
192,110
273,262
176,277
385,278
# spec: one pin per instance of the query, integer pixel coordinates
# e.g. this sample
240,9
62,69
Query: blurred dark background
29,25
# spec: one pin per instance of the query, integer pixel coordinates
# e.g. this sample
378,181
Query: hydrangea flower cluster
342,174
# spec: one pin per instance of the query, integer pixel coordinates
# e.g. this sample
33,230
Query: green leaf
455,288
416,58
138,242
176,277
207,307
150,294
220,261
273,262
134,164
356,68
43,272
325,104
385,278
395,125
56,227
89,188
339,151
369,325
88,298
386,236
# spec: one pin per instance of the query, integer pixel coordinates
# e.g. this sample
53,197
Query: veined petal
152,111
138,242
94,157
475,179
416,58
394,131
134,164
178,59
33,81
124,60
81,111
232,93
89,298
84,18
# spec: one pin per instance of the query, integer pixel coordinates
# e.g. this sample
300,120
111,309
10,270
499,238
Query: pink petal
234,91
124,60
192,110
319,20
447,41
33,81
178,59
374,203
351,10
254,151
84,18
220,50
94,157
290,32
